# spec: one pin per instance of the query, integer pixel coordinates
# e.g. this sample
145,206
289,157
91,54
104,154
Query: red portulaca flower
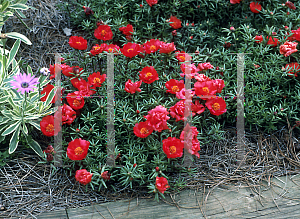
78,149
202,78
103,32
148,75
296,34
151,2
288,48
98,49
255,7
182,56
258,39
161,184
272,41
85,88
290,5
73,71
157,118
128,30
78,43
181,94
167,47
112,48
205,66
67,114
216,105
186,68
293,68
47,126
219,84
151,46
142,129
174,86
175,22
131,49
105,175
96,79
191,142
197,107
177,111
205,89
132,87
83,176
47,89
173,147
235,1
75,100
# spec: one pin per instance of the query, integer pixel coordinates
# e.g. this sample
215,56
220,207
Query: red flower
148,75
182,56
47,126
216,105
185,68
105,175
132,87
235,1
197,107
131,49
87,10
189,137
205,66
75,100
220,85
52,71
112,48
83,176
151,2
258,39
47,89
103,32
272,41
174,86
161,184
288,48
296,34
67,114
85,88
181,94
98,49
290,5
205,89
255,7
202,77
78,43
172,147
151,46
73,71
167,47
78,149
177,111
96,79
128,30
142,129
175,22
293,68
157,118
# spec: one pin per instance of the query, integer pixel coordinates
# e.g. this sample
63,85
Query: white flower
45,71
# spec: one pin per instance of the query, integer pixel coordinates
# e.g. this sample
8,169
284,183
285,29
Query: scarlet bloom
175,22
128,30
78,149
85,88
98,49
258,39
188,70
235,1
67,114
148,75
73,71
255,7
96,79
103,32
220,85
142,129
112,48
47,89
87,10
75,100
177,111
157,118
288,48
105,175
151,2
167,47
216,105
151,46
189,137
182,56
205,89
131,49
290,5
132,87
78,43
47,126
174,86
197,107
173,147
83,176
205,66
181,94
272,41
293,68
296,34
202,77
161,184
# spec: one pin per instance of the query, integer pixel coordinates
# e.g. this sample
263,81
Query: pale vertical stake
240,123
110,161
57,121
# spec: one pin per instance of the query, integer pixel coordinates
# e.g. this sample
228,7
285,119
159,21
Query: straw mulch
27,188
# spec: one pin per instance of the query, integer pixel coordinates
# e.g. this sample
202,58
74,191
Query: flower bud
105,175
232,28
193,24
174,33
156,169
134,165
137,111
49,157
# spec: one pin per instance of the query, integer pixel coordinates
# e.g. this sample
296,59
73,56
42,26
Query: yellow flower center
129,50
96,80
110,50
152,47
78,151
172,149
182,58
49,128
96,47
149,74
78,43
144,131
76,102
216,106
206,90
175,89
103,32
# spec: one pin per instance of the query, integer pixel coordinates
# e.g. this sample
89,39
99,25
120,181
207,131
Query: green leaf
36,124
19,6
50,97
20,13
4,6
35,146
13,144
15,35
13,52
11,128
25,129
29,70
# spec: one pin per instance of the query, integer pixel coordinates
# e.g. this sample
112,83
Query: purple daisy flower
24,82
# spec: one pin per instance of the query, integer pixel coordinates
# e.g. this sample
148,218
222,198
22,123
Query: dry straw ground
27,188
